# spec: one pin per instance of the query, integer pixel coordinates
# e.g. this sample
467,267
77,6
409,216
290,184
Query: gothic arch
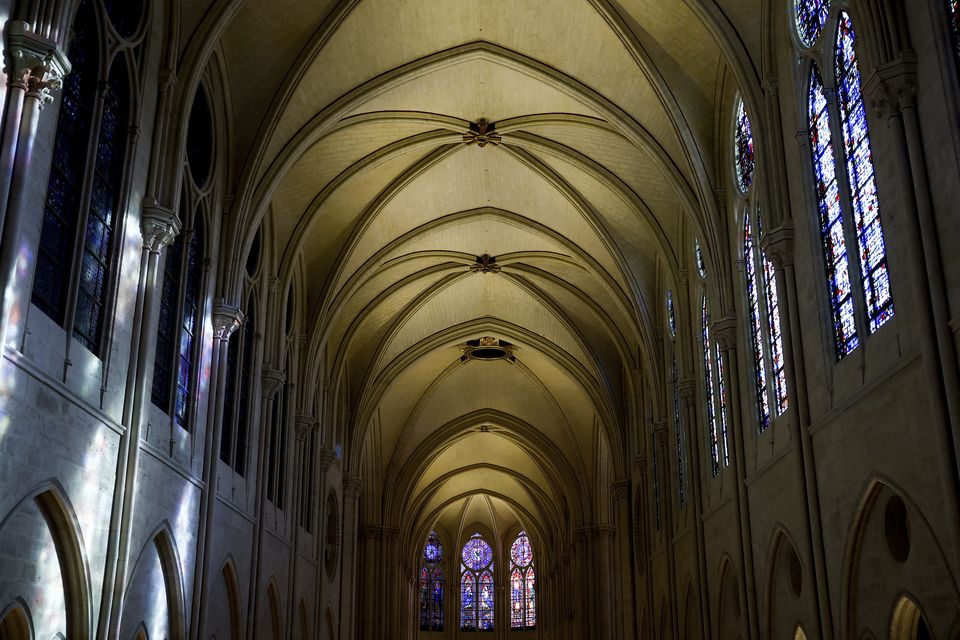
162,543
234,600
64,528
891,530
787,591
276,616
15,622
730,608
304,620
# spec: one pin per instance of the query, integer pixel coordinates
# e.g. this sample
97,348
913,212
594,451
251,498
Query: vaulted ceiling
355,134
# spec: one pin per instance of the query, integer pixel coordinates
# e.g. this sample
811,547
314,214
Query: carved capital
226,319
159,226
778,245
34,62
305,424
352,486
725,331
639,462
688,391
771,85
893,86
620,489
325,458
659,428
272,380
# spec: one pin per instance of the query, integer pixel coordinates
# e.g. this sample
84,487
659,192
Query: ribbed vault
430,176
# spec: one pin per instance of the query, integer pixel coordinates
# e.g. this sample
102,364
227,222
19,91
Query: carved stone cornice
304,425
159,226
725,331
34,62
226,320
893,86
271,381
777,244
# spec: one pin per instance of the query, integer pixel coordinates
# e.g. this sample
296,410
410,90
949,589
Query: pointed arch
234,601
304,620
64,527
276,617
15,622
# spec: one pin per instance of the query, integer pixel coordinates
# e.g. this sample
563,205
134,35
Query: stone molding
725,332
304,425
893,86
272,380
777,243
352,486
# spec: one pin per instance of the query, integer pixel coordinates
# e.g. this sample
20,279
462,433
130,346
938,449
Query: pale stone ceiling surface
347,141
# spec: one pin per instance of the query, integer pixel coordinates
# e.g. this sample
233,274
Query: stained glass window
523,603
678,431
476,585
657,511
698,259
431,585
167,323
756,326
862,179
722,408
811,16
831,219
671,315
953,6
709,397
68,169
744,160
246,381
190,325
236,402
775,335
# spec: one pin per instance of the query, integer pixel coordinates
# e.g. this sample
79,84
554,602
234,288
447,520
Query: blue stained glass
485,601
516,599
125,15
477,554
431,585
698,259
756,328
468,604
68,167
246,382
531,597
189,324
476,585
167,325
657,509
522,577
709,395
830,213
722,388
775,335
744,159
811,15
861,177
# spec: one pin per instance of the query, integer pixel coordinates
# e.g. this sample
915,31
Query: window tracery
476,585
79,241
523,598
431,585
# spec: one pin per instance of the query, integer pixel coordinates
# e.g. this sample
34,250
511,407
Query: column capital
272,380
35,62
304,425
893,86
777,244
159,226
325,458
725,331
688,391
639,462
620,489
352,486
226,319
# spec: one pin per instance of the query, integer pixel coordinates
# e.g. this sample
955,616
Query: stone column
688,396
301,463
325,458
159,228
271,382
725,331
35,68
348,567
623,564
226,320
778,245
